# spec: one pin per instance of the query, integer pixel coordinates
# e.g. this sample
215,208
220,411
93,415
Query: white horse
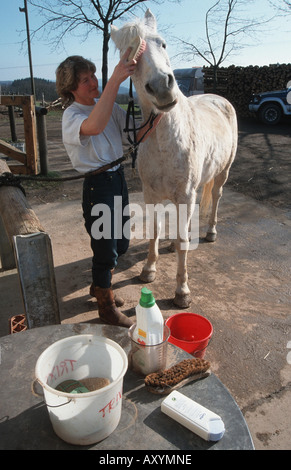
193,145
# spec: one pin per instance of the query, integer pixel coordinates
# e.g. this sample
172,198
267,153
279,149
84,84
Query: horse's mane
130,30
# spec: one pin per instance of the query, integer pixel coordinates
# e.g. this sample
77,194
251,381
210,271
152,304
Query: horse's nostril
166,82
170,81
149,89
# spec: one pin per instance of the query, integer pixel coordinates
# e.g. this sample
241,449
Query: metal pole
42,138
12,123
25,10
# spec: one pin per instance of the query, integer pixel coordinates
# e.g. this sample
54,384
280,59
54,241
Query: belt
104,168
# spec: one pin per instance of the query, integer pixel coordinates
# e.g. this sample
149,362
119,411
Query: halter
130,111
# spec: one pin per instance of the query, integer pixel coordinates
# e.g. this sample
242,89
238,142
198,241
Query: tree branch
226,19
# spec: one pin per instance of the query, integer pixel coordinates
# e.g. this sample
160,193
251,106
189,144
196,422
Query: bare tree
282,5
62,17
227,23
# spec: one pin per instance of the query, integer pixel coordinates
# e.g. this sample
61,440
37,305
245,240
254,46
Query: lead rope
131,111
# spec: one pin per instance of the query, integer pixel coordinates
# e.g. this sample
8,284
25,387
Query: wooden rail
29,158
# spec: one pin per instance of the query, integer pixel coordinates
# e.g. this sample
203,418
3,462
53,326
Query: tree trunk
16,212
106,38
215,79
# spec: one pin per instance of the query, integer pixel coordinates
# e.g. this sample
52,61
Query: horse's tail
206,196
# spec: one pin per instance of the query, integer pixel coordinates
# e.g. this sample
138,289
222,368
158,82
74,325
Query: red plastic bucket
190,332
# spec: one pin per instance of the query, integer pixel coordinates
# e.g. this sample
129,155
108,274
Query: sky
184,20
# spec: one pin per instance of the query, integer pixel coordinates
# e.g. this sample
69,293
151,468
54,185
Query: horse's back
215,104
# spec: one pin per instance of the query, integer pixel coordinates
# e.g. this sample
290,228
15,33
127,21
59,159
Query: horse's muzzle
162,88
161,84
167,107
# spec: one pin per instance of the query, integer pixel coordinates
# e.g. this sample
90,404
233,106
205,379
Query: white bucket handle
58,406
39,395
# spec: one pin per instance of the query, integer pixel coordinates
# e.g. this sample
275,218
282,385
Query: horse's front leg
182,296
148,273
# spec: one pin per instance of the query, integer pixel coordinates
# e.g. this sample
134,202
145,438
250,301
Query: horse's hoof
147,276
210,237
182,300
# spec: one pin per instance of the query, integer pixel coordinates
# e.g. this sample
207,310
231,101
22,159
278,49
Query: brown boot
108,312
119,301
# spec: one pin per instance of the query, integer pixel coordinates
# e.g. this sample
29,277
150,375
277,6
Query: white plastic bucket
84,418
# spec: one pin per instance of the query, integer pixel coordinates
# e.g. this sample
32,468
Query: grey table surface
25,423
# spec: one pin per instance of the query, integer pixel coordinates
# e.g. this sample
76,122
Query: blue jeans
104,189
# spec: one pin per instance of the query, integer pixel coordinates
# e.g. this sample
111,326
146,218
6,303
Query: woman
93,137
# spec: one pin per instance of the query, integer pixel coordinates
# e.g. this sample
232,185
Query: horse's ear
150,20
114,33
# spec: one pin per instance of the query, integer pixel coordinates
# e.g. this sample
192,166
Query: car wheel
271,114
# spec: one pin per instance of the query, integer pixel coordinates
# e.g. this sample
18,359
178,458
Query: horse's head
153,78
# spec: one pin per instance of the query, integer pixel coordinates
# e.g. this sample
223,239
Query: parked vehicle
271,106
190,81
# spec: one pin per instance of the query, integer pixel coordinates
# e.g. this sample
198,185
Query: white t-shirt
88,153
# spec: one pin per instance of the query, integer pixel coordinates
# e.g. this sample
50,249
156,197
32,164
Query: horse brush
138,46
180,374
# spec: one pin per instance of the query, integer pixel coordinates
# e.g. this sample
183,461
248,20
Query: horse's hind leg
217,190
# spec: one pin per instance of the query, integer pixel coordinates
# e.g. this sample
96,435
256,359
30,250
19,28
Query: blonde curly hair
68,76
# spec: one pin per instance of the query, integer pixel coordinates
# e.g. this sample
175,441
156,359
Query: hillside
44,89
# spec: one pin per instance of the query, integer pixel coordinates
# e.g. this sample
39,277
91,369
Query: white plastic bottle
149,320
193,416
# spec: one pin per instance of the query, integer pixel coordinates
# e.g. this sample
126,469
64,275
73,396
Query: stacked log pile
237,84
